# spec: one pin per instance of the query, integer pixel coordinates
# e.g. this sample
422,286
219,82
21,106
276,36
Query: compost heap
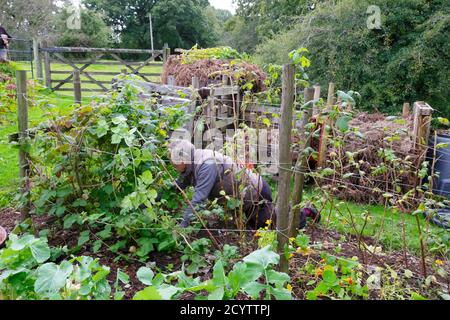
362,184
210,71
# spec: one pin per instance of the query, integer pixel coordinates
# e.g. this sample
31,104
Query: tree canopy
406,60
177,23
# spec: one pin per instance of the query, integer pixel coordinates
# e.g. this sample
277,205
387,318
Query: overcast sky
223,4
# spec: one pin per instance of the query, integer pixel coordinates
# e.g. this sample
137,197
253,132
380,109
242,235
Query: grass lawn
387,226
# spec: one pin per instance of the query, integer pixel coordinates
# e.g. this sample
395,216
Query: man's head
181,152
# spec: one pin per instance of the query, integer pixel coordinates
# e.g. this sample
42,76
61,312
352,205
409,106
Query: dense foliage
102,167
8,90
180,24
406,60
94,32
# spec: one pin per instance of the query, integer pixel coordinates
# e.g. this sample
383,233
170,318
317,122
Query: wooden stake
166,54
22,110
422,123
47,67
38,60
300,167
193,105
315,111
285,160
406,110
77,86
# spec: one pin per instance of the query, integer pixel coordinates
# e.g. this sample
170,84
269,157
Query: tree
30,18
271,17
240,34
217,19
179,23
182,24
406,60
94,32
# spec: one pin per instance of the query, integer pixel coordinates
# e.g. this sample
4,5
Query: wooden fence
45,57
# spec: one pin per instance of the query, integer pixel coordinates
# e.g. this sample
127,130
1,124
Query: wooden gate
51,55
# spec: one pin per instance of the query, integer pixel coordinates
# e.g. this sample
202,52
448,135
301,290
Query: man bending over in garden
214,175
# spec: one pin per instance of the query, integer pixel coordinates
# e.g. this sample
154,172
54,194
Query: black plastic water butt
442,165
441,185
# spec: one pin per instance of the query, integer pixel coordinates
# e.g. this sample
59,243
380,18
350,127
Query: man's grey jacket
212,172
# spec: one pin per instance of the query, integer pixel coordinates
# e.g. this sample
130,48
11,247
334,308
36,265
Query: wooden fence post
47,67
22,110
315,110
37,60
301,166
285,163
406,110
166,53
77,86
323,133
422,123
193,105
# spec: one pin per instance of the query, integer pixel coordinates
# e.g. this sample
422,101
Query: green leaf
40,251
97,245
147,178
345,97
311,295
149,293
329,276
145,248
105,234
416,296
84,237
217,294
263,257
277,278
168,291
102,128
116,139
145,275
342,123
101,274
219,277
18,244
253,289
281,293
51,278
122,276
70,220
444,121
